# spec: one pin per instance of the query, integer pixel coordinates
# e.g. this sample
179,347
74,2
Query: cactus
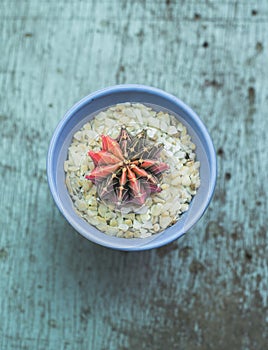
128,169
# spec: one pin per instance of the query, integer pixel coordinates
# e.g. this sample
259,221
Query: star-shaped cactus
127,169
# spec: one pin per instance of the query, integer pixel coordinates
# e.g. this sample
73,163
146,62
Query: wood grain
209,289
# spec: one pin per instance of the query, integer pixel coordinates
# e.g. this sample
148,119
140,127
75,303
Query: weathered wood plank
206,291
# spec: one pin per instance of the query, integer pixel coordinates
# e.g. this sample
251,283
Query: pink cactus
127,169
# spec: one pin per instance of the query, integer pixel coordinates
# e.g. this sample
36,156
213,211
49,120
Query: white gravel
179,183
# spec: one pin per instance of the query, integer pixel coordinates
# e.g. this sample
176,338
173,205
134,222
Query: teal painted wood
205,291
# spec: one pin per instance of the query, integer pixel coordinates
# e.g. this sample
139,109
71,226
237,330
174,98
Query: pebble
109,214
186,181
136,225
68,184
145,113
184,207
87,126
165,195
163,125
109,122
165,186
156,227
128,234
90,134
156,209
92,191
149,202
91,201
148,225
145,217
156,199
151,133
73,168
154,122
154,219
66,165
94,221
78,135
111,230
102,209
128,222
138,114
175,207
123,227
172,130
113,223
136,234
165,221
180,154
101,220
144,233
81,205
167,206
83,170
130,216
91,213
176,181
142,210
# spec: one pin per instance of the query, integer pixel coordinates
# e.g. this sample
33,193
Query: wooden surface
209,289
